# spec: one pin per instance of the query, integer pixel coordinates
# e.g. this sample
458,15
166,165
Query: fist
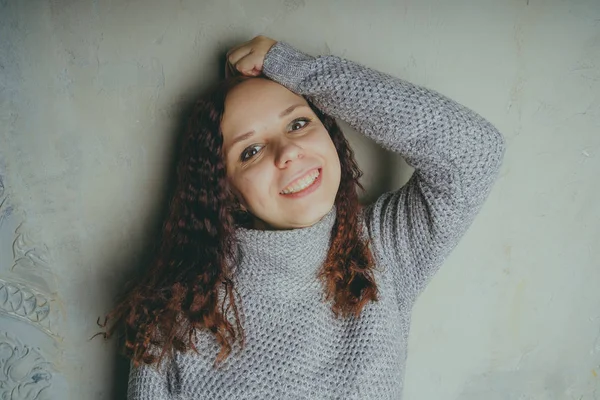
248,58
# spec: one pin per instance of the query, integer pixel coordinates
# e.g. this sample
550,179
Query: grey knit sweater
295,347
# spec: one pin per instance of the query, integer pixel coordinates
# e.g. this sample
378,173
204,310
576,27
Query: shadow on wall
381,179
384,170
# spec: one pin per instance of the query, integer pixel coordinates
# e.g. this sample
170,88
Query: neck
283,262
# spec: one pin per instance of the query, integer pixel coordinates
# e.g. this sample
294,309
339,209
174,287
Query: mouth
303,185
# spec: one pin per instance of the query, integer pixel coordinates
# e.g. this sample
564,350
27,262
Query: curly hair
179,294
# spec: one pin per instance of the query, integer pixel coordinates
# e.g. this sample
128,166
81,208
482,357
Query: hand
247,58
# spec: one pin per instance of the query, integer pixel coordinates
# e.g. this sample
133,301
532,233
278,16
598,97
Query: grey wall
92,94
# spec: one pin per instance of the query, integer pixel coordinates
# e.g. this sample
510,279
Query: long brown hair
179,294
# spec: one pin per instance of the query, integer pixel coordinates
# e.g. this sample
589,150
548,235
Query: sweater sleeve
455,152
148,383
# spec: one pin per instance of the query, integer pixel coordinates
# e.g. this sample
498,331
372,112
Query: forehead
256,101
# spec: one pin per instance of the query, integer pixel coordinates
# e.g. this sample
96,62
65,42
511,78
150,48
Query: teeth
302,184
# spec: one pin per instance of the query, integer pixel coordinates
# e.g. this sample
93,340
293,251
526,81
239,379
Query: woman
266,207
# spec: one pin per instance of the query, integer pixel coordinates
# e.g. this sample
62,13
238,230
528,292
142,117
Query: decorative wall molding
3,209
27,284
28,311
24,303
31,261
28,256
24,372
30,315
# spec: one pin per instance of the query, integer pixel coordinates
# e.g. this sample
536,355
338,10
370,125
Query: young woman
266,208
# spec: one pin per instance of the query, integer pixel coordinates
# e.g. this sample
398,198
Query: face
280,160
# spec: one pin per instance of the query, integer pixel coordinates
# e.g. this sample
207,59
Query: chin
311,216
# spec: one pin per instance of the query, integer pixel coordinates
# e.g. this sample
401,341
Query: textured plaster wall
92,94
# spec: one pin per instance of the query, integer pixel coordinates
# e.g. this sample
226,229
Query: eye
299,123
249,152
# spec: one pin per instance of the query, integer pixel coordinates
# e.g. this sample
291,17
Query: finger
249,65
232,56
237,53
238,46
230,70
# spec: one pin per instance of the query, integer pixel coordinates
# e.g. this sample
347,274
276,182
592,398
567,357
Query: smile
304,185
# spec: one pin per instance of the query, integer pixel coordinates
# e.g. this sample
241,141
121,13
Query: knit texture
296,348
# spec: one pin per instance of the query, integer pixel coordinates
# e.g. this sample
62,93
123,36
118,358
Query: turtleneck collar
283,261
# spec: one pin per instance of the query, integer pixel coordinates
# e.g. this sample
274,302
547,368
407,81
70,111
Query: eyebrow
249,134
291,108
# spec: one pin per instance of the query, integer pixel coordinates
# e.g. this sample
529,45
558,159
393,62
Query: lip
304,192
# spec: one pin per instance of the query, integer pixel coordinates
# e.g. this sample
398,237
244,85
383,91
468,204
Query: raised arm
455,152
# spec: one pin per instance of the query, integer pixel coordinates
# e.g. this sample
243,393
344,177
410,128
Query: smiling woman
270,167
266,207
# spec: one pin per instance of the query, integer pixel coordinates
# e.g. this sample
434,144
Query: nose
287,152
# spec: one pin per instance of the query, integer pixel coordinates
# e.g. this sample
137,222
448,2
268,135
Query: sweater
295,347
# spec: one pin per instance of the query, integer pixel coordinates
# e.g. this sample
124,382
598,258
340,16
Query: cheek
254,185
333,160
336,170
330,152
